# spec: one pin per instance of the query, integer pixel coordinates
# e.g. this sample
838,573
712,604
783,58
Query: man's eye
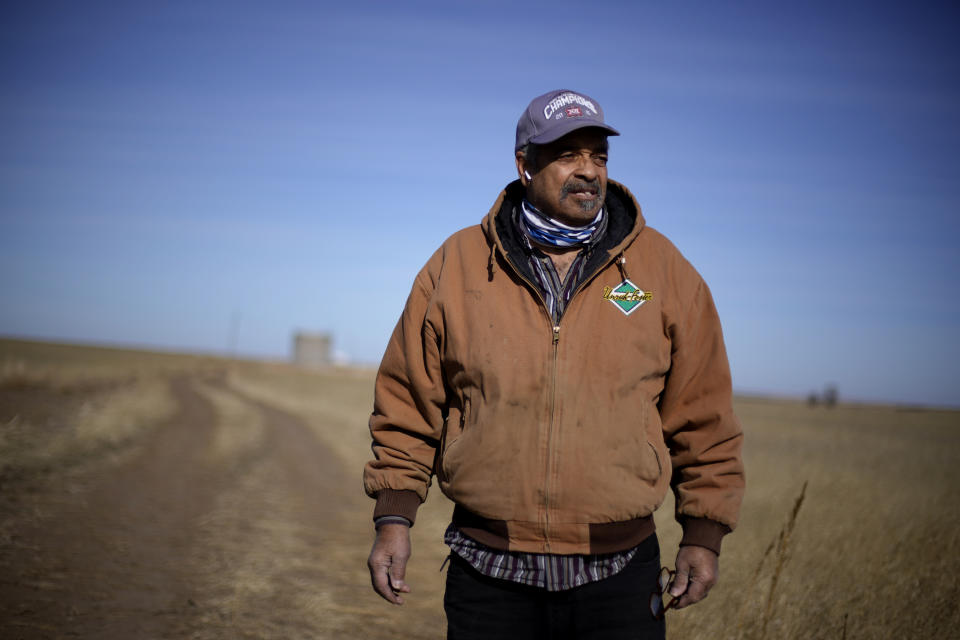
600,160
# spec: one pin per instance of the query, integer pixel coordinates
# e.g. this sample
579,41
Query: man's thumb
396,573
679,585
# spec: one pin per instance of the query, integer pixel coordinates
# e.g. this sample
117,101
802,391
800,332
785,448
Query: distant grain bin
312,350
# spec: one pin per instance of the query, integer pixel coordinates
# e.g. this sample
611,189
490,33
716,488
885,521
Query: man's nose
586,167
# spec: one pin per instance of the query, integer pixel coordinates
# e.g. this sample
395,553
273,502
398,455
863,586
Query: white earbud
527,173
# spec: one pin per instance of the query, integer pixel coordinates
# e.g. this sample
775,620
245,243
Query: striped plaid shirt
547,571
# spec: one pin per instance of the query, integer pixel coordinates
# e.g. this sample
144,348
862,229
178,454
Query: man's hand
388,561
697,571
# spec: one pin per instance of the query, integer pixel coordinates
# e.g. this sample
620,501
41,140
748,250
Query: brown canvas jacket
559,439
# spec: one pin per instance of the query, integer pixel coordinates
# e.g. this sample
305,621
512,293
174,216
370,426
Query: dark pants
479,607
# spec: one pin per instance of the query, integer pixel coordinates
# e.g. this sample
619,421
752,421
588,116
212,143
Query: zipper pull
556,334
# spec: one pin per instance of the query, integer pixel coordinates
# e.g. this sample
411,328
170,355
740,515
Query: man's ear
523,169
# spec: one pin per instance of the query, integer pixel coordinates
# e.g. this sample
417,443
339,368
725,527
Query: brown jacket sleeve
409,405
704,435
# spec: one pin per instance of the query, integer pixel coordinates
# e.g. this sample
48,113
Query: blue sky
165,169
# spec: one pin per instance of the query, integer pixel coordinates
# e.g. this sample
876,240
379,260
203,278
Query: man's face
569,181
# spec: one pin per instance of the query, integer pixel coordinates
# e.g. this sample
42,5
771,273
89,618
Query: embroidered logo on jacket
626,296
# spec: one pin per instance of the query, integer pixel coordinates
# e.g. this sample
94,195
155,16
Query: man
558,368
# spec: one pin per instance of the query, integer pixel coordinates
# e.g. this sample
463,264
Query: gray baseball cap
555,114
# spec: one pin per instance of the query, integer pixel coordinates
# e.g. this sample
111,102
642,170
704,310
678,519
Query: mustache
575,184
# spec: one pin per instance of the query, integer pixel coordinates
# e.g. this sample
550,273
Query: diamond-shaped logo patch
626,296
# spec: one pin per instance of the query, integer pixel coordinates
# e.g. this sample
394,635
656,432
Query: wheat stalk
783,552
742,613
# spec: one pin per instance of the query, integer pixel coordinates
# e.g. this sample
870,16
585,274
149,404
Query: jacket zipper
552,428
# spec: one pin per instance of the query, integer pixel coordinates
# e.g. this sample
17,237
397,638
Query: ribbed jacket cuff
393,502
703,532
379,521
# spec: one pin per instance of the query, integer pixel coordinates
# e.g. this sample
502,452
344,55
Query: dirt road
175,539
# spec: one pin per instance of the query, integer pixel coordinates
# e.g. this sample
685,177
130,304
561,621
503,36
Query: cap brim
571,124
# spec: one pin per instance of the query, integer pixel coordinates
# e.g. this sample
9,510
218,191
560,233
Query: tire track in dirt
265,553
118,559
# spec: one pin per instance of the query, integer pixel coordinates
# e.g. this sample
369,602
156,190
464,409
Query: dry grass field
151,495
